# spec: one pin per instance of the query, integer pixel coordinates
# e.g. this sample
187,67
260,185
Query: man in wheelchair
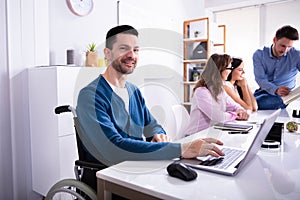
114,118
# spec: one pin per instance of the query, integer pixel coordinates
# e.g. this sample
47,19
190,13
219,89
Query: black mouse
181,171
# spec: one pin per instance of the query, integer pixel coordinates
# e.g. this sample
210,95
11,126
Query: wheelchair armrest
85,164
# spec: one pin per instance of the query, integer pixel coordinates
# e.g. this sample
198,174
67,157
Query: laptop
235,158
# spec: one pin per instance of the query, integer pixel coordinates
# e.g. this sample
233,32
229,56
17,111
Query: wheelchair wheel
70,189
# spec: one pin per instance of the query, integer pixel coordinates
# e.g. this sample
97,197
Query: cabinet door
66,81
67,155
69,83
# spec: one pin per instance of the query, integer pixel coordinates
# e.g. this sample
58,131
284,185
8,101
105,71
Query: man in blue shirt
275,69
115,119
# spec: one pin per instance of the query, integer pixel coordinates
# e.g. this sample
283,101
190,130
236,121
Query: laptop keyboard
223,162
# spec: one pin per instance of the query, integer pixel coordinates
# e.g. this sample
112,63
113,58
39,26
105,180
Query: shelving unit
221,43
196,51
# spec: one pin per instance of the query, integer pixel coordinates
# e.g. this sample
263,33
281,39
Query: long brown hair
211,75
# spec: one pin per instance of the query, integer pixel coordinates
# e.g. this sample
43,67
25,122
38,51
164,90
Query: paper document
293,95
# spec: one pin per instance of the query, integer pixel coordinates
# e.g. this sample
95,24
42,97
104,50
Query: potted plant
195,76
91,56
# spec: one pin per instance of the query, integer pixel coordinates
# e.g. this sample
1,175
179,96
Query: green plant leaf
92,47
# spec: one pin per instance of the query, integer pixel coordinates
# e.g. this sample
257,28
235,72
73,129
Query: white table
272,174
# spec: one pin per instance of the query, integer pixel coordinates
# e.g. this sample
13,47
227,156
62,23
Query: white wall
242,35
68,31
5,139
167,14
281,14
27,46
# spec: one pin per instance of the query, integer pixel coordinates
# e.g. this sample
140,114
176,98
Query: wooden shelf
189,83
194,40
187,103
222,43
195,61
191,45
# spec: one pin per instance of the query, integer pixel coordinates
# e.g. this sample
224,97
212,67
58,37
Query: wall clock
81,7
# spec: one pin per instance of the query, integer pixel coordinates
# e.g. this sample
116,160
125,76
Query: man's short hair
111,34
287,32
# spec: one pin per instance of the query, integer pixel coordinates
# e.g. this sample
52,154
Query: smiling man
275,69
116,123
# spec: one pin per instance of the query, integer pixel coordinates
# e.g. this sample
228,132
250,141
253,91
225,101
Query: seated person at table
114,116
210,102
275,69
237,87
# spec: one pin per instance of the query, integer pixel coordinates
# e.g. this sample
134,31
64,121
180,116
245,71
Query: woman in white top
237,87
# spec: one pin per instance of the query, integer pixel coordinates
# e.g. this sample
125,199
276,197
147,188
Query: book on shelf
293,95
233,127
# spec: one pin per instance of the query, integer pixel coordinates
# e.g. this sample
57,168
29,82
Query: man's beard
117,65
278,53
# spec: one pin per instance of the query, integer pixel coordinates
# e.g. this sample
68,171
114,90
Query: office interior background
38,32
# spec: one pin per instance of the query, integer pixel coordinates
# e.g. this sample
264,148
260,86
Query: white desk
272,174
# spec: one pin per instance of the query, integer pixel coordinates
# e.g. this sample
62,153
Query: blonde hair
211,75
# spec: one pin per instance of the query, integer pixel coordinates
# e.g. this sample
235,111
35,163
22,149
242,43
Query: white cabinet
53,142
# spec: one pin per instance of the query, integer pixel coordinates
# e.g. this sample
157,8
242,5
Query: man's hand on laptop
201,147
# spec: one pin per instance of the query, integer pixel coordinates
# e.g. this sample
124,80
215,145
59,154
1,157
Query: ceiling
219,5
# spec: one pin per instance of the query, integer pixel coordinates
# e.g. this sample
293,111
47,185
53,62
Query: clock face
81,7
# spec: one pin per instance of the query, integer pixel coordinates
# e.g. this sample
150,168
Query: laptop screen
260,137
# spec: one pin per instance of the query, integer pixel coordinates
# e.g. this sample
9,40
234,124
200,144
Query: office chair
182,118
85,184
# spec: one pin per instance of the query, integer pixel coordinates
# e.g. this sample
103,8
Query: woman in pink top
210,103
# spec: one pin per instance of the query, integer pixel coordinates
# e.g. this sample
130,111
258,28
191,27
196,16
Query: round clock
81,7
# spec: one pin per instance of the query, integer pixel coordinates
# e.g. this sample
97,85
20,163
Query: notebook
234,158
293,95
233,127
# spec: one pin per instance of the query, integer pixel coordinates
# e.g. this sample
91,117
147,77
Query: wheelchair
85,184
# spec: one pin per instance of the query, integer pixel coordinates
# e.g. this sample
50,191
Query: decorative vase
91,59
196,78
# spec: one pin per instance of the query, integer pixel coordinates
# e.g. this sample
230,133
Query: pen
237,132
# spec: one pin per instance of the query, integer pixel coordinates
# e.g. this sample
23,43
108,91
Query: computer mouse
181,171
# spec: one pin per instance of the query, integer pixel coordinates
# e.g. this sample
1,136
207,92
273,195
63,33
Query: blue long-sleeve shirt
271,72
112,135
